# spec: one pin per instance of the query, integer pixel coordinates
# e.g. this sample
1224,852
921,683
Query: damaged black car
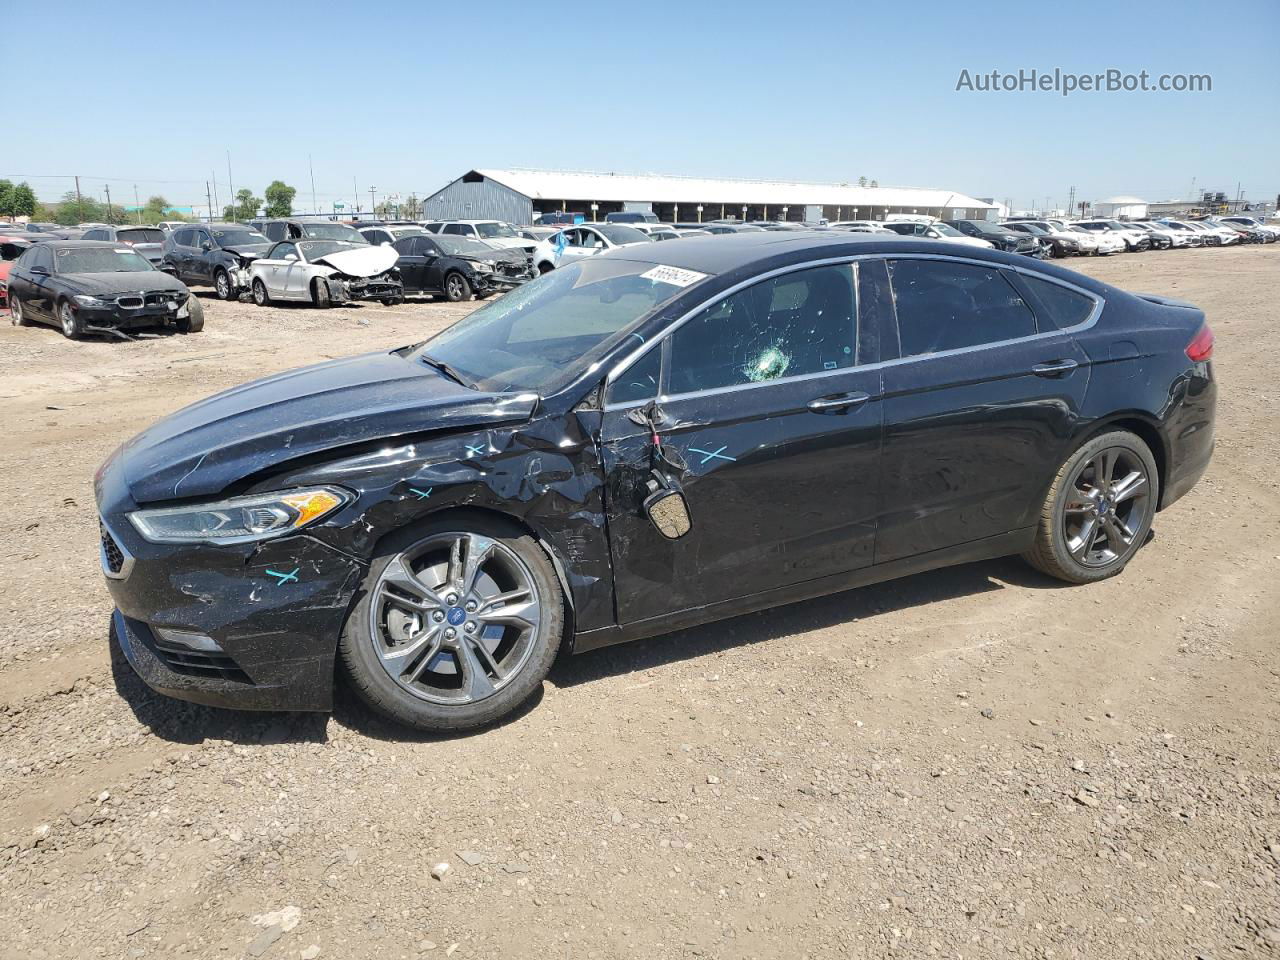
87,287
652,438
456,268
214,254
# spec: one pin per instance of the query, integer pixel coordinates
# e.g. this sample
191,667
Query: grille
131,301
198,663
111,552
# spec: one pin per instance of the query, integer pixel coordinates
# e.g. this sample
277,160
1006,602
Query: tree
862,181
6,198
279,199
412,209
24,200
245,207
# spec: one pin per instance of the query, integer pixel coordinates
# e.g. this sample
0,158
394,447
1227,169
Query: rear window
943,305
141,236
1065,307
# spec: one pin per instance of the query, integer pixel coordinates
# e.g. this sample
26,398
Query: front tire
223,288
456,288
320,294
260,296
1098,511
194,322
72,325
456,625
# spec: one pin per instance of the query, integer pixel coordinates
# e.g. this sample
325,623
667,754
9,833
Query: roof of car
75,244
718,254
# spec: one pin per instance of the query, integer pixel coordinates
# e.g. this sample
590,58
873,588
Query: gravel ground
967,763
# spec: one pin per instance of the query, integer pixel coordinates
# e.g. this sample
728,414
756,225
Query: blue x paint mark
714,454
421,494
285,577
478,451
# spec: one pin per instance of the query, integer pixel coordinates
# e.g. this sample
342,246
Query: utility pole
314,207
373,207
107,187
209,200
79,201
215,198
137,204
231,186
355,192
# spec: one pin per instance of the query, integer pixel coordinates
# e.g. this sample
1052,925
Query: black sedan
88,286
1051,245
651,438
1000,237
456,268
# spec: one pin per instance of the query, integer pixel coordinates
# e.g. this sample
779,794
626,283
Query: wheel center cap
456,616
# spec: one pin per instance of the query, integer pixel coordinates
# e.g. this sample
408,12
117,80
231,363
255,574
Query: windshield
617,233
101,260
332,231
946,230
461,247
490,230
141,236
399,232
238,238
313,249
544,334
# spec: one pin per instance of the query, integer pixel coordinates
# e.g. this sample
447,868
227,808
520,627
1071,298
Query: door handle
1054,368
838,402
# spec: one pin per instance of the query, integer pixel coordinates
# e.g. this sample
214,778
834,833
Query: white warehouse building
520,196
1128,208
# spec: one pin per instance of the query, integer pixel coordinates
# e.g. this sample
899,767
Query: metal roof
578,185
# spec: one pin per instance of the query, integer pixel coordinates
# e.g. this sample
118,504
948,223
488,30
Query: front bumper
119,316
253,626
375,288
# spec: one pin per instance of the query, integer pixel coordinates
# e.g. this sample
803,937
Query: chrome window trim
664,336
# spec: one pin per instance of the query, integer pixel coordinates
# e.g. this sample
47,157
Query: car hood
250,251
507,243
130,282
204,448
362,261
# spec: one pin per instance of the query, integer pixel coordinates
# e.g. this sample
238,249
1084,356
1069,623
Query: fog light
188,640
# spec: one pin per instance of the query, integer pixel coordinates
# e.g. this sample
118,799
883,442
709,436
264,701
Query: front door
978,407
765,400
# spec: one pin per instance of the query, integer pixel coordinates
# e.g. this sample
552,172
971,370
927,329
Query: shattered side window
788,326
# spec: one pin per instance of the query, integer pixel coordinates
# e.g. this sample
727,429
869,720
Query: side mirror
206,246
668,512
167,267
40,271
291,257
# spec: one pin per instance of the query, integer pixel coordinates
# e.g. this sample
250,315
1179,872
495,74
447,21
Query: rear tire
260,295
16,314
320,294
72,326
403,662
193,323
1098,511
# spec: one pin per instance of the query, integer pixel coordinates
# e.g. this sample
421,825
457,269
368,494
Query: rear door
766,396
979,405
411,262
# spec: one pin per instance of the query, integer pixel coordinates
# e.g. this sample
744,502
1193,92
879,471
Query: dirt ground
968,763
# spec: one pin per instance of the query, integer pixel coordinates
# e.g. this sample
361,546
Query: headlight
240,519
481,266
86,301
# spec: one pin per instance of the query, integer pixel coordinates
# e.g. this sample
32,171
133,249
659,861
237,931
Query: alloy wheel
69,329
454,619
1106,505
453,287
222,284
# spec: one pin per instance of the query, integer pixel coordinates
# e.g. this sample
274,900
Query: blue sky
406,96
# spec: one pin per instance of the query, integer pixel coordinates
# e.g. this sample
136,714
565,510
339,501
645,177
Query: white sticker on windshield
125,250
673,275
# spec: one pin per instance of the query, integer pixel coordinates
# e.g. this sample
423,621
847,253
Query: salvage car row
122,280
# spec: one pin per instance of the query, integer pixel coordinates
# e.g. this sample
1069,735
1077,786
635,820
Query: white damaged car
324,272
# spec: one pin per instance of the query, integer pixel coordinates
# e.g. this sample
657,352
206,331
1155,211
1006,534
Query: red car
11,249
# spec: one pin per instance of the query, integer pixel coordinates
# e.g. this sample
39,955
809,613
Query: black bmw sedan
655,437
90,286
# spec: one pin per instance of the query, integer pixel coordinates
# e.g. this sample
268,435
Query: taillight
1201,348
